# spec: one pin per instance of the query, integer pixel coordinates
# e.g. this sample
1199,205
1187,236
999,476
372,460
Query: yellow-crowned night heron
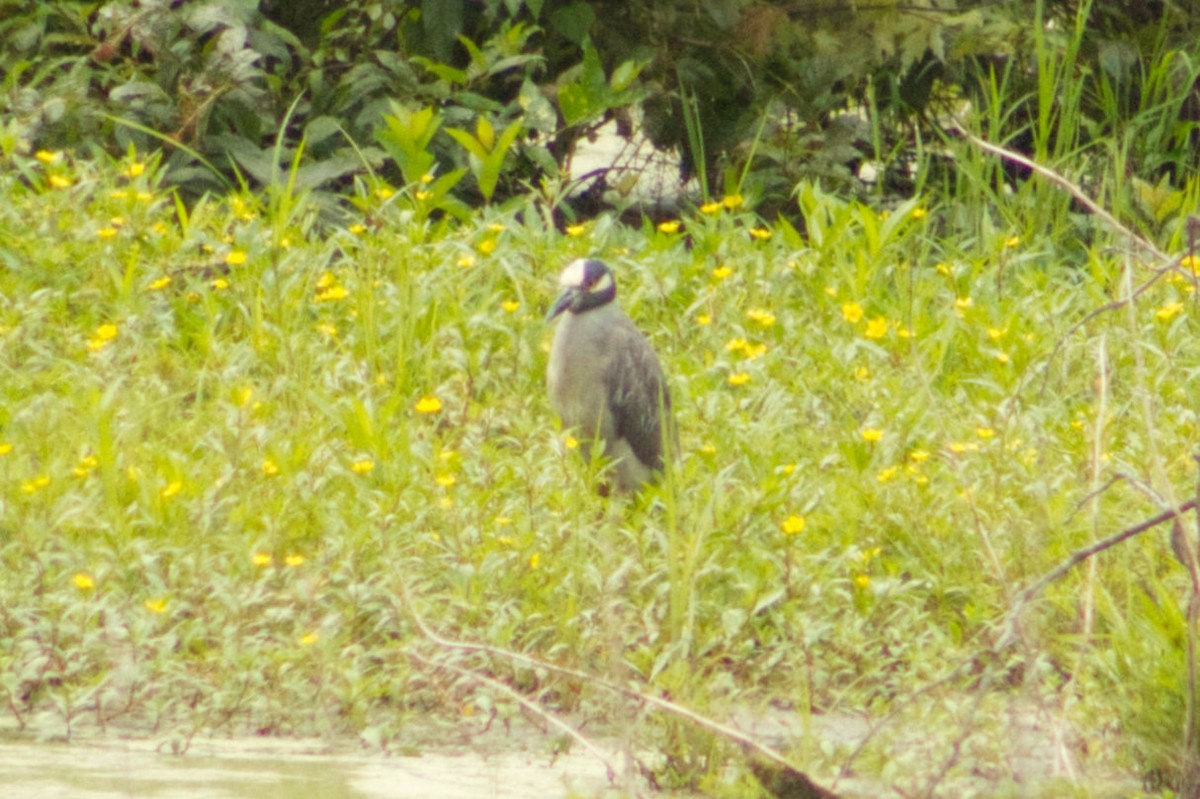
605,380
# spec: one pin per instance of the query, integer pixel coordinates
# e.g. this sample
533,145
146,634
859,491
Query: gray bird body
604,378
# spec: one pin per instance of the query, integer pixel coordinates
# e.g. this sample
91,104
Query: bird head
586,283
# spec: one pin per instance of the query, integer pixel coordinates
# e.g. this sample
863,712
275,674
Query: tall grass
239,453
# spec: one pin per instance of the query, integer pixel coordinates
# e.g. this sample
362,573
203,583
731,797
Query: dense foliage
271,285
751,95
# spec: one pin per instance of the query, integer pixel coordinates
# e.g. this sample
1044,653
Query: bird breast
578,360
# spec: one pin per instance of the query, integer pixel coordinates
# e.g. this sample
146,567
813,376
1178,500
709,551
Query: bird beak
563,302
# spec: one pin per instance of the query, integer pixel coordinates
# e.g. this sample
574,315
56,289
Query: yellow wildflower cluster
104,335
329,290
749,350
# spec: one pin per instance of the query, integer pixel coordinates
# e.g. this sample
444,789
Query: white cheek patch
603,284
573,275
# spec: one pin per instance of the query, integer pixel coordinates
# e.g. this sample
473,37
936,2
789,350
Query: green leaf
443,22
468,142
574,21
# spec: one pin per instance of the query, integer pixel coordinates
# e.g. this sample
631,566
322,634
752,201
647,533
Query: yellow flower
876,328
1012,241
831,291
384,192
736,344
787,469
60,181
722,272
985,433
156,605
732,201
761,316
87,465
496,227
852,312
423,195
310,638
294,560
83,581
710,207
466,261
487,246
445,503
35,484
332,293
171,489
1002,357
363,466
5,447
754,351
106,233
575,231
103,336
792,525
427,178
943,268
261,559
888,474
871,434
1191,262
160,283
47,156
270,468
235,258
501,521
510,306
328,328
919,213
429,405
1169,311
357,229
670,226
445,480
862,374
918,456
962,303
135,169
220,283
863,581
997,333
760,233
571,442
703,319
739,379
535,559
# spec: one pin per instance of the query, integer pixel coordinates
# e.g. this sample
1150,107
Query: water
296,769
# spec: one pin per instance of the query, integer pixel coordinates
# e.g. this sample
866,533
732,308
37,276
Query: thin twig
737,736
1078,557
532,707
1074,190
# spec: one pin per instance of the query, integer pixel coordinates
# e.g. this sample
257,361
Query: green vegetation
235,449
274,449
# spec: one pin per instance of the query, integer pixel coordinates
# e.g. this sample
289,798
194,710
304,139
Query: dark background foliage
751,95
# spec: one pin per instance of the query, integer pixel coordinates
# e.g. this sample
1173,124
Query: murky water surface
271,769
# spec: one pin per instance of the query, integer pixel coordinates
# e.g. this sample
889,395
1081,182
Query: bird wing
637,394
